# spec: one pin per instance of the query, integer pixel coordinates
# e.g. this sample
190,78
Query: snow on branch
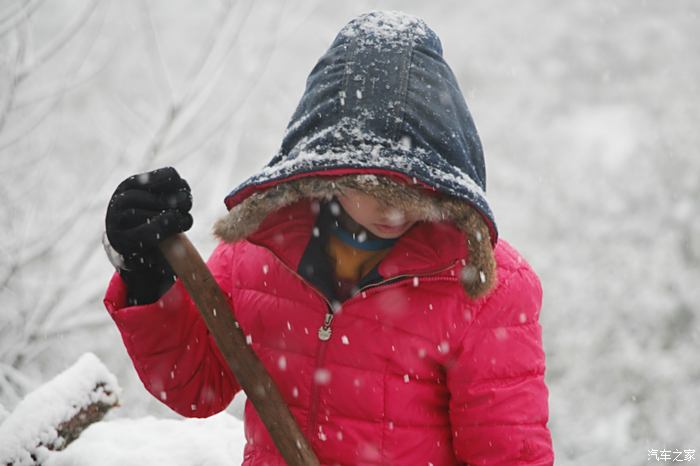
55,414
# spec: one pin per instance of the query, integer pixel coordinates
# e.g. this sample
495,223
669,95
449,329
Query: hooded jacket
437,358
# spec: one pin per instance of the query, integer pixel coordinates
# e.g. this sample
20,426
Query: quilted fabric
414,371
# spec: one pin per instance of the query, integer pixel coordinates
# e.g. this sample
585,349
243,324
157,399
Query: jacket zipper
324,334
325,331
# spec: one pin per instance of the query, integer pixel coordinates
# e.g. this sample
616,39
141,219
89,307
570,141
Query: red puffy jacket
414,373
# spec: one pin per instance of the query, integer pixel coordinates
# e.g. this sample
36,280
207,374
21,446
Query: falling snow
626,53
322,376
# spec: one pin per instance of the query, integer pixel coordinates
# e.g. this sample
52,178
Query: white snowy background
589,111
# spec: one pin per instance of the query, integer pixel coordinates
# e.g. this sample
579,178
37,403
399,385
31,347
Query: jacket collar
428,247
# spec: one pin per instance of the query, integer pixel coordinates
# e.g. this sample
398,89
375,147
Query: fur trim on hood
479,274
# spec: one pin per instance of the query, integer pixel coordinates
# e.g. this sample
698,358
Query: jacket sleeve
170,346
498,397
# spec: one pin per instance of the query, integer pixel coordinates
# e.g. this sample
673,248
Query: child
363,262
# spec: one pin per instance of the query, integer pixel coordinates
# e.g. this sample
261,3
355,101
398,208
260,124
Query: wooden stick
244,363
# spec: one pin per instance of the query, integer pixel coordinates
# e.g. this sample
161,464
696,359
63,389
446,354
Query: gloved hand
144,210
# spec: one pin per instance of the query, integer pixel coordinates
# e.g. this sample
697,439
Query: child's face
380,220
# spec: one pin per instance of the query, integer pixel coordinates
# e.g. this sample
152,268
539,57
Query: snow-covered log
55,414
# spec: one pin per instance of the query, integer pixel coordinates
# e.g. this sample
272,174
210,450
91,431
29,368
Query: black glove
144,210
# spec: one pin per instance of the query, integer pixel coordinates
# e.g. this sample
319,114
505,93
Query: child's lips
390,228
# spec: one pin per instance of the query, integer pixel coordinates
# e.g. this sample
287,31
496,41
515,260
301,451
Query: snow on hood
382,100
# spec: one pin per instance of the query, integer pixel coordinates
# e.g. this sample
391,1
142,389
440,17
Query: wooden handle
244,363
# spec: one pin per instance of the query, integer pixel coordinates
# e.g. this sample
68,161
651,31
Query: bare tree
89,95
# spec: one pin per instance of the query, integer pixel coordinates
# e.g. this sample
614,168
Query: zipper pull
324,332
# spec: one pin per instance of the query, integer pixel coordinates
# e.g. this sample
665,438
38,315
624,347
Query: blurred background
589,112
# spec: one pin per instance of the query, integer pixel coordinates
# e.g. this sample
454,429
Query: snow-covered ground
215,441
589,115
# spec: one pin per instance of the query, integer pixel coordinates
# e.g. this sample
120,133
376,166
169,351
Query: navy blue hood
382,100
